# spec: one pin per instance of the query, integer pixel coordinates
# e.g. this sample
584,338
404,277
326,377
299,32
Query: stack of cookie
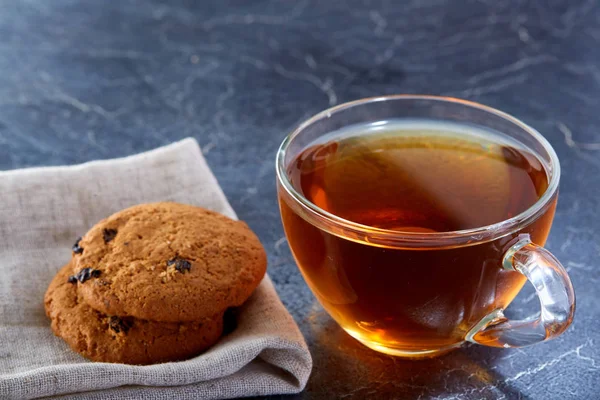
151,283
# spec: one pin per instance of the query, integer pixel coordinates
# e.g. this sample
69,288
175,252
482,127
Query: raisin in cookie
167,262
100,337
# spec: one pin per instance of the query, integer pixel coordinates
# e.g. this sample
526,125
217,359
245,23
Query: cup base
404,353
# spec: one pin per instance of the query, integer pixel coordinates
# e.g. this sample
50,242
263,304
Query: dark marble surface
100,79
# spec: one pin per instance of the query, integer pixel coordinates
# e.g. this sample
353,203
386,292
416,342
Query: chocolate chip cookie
167,262
105,338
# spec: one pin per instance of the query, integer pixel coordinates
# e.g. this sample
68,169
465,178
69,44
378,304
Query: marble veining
100,79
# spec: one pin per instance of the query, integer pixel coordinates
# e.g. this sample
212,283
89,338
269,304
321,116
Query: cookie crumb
168,274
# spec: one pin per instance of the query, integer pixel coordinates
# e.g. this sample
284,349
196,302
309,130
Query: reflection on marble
470,372
83,80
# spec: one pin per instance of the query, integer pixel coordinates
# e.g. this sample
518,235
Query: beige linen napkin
42,212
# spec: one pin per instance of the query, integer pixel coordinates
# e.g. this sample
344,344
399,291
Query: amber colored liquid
419,177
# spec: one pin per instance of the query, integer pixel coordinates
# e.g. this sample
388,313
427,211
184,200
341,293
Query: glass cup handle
553,288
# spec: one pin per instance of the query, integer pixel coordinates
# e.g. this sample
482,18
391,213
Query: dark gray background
84,80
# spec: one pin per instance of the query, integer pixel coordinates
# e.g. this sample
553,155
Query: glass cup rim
435,239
